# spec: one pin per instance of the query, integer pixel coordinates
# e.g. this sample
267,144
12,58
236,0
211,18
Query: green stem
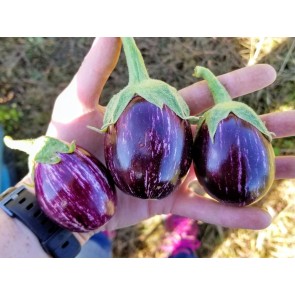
24,145
43,149
136,67
218,91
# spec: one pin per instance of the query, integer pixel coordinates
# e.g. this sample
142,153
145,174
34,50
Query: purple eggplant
238,167
232,153
148,138
77,193
148,150
73,188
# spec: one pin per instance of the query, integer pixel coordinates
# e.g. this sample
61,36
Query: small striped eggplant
73,188
238,166
232,153
148,138
148,150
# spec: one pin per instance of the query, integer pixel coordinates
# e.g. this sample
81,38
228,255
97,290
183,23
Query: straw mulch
276,241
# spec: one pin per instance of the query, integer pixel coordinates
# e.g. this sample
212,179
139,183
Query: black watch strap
56,241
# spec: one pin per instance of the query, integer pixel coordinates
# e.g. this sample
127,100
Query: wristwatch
58,242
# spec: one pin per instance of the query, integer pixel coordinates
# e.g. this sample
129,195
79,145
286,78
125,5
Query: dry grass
276,241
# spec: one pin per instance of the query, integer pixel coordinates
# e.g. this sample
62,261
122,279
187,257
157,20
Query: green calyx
154,91
43,149
224,105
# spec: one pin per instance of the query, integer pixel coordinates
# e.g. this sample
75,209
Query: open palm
78,106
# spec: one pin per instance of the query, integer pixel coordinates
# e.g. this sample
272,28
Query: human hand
78,106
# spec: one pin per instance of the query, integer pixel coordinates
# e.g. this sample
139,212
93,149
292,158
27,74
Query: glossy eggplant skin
238,168
77,193
148,150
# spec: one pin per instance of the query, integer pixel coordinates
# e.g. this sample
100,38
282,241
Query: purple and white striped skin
77,193
148,150
238,168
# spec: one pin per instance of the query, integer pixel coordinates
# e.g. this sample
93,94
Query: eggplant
148,150
238,167
232,153
148,139
73,188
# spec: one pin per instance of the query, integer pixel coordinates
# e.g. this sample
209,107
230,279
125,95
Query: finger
82,94
282,124
96,69
285,167
98,64
210,211
191,176
237,83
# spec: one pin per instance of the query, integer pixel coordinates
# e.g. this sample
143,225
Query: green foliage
10,117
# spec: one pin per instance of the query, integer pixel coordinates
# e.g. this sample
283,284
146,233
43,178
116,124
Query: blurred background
33,71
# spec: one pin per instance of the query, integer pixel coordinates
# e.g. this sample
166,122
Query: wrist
17,240
22,204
